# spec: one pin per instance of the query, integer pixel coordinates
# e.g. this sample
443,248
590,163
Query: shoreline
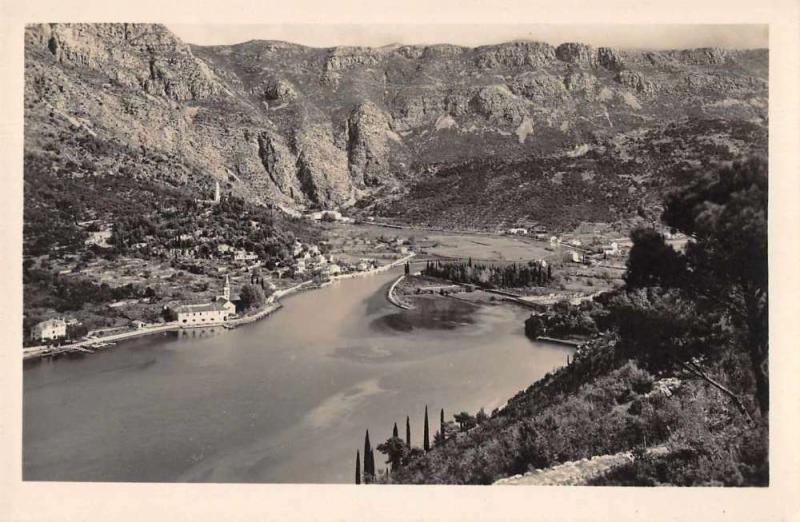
272,305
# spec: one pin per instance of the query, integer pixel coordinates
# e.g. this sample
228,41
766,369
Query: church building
210,313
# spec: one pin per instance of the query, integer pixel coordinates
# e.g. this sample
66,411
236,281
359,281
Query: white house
201,314
613,250
244,255
50,329
99,238
204,314
518,231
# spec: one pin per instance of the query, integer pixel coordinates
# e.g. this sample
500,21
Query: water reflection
286,399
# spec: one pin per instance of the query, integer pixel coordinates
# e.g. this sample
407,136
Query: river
286,399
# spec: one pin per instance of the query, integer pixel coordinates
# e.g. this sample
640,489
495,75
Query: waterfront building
217,311
49,329
200,314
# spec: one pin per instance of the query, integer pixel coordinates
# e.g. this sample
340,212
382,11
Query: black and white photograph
377,255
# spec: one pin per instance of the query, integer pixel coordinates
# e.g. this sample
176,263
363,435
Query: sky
645,36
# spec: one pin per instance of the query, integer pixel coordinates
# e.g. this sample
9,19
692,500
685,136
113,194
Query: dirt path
575,473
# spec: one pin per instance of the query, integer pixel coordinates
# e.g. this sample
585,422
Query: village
201,279
196,280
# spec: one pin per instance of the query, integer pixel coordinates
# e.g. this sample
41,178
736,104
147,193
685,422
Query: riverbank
272,305
390,295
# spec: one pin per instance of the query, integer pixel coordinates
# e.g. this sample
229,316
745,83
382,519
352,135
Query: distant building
99,238
205,313
244,255
613,250
517,231
215,312
50,329
217,195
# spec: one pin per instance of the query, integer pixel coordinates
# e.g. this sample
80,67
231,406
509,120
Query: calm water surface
286,399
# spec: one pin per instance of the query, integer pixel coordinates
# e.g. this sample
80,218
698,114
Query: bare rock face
322,168
342,59
579,54
280,91
539,86
581,83
636,81
368,151
143,55
417,109
280,164
703,56
515,54
611,59
498,104
260,116
457,102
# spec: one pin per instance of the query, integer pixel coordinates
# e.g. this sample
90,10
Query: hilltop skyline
643,36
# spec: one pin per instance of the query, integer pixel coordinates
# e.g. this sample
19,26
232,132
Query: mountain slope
288,125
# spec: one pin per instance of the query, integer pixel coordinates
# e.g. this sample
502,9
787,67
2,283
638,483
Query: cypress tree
368,465
426,444
408,432
394,431
441,423
358,468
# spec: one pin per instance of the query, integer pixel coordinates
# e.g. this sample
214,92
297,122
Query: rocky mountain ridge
297,127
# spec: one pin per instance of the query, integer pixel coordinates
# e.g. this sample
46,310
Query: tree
441,423
652,262
726,214
369,463
396,451
252,296
465,420
358,468
394,430
426,444
481,416
408,432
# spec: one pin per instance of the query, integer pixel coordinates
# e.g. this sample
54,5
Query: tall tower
216,193
226,291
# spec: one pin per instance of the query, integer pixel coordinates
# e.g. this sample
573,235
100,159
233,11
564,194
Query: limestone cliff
280,123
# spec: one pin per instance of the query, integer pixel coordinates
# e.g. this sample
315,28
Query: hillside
515,132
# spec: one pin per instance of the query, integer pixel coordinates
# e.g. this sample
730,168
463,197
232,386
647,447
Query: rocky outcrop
322,168
611,59
280,164
367,147
636,81
499,105
580,82
279,91
539,86
411,110
578,54
515,54
134,55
